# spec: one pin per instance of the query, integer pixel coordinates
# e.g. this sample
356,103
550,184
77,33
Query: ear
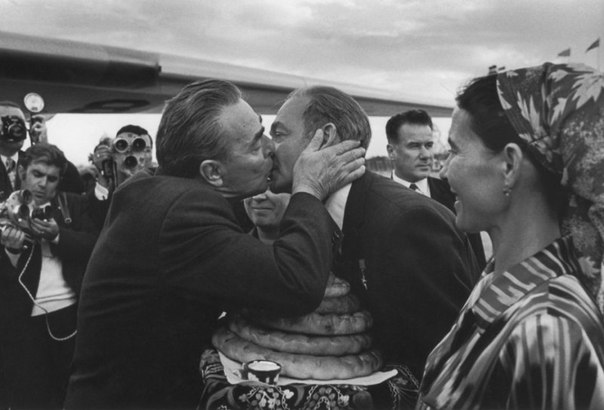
212,172
390,149
512,156
330,135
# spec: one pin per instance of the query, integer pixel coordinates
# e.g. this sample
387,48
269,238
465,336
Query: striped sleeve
552,364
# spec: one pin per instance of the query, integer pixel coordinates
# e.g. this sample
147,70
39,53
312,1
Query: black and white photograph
301,204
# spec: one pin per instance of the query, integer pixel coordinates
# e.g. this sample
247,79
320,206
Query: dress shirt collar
421,184
498,293
336,205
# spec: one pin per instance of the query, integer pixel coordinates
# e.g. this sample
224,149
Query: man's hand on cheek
322,171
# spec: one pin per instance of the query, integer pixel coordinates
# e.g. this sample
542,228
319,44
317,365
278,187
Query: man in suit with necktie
410,148
401,252
13,133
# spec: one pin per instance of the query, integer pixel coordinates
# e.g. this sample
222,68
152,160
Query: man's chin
249,193
424,173
279,186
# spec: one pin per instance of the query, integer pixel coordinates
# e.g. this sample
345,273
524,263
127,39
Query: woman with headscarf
527,166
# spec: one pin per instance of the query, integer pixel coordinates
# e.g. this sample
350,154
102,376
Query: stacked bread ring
330,343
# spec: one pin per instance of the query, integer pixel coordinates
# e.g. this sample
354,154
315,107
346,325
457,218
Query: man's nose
269,146
425,152
444,169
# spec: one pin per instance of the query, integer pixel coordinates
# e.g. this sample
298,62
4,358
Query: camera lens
23,212
26,196
42,213
121,145
16,132
13,128
130,162
139,144
38,213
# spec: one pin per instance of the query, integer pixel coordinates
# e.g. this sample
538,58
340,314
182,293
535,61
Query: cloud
416,46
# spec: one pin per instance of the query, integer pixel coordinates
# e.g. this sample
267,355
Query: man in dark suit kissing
172,256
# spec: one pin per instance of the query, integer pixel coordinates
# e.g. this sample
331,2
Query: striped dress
529,338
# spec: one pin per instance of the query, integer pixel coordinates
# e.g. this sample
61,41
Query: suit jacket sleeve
76,240
72,181
206,253
98,208
433,270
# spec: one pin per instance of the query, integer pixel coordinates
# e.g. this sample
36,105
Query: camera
13,128
19,209
122,145
132,150
44,212
108,168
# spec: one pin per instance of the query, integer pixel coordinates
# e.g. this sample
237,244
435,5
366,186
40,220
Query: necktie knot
10,165
414,187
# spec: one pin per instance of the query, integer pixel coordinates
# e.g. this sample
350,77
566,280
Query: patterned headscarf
558,109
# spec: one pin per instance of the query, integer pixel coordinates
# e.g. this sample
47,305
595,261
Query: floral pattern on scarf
558,109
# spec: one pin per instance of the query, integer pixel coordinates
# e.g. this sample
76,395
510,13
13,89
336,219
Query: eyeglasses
123,145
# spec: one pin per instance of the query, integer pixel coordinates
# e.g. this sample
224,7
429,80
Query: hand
45,228
12,238
322,171
102,154
38,131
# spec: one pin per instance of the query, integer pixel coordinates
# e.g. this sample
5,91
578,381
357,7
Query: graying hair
328,104
190,132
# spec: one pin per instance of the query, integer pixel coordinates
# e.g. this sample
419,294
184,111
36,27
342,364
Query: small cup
263,371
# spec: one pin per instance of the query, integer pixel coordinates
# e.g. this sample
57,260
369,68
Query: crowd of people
110,290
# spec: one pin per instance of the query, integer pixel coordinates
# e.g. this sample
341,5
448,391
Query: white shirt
336,205
422,185
53,291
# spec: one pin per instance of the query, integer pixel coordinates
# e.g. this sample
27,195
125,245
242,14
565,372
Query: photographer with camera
116,160
44,248
13,133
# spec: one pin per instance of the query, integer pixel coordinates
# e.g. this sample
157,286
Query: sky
423,48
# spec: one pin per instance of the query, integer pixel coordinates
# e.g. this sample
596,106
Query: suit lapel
56,210
440,191
355,264
31,276
5,186
17,177
353,216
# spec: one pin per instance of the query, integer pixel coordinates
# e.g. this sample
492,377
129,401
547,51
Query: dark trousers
37,367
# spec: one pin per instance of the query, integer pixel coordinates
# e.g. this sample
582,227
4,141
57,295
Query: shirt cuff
100,192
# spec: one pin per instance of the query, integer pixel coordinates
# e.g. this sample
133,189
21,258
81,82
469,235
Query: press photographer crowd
265,266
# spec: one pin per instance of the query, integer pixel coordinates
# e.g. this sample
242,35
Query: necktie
414,187
10,166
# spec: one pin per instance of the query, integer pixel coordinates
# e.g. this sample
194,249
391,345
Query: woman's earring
507,190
